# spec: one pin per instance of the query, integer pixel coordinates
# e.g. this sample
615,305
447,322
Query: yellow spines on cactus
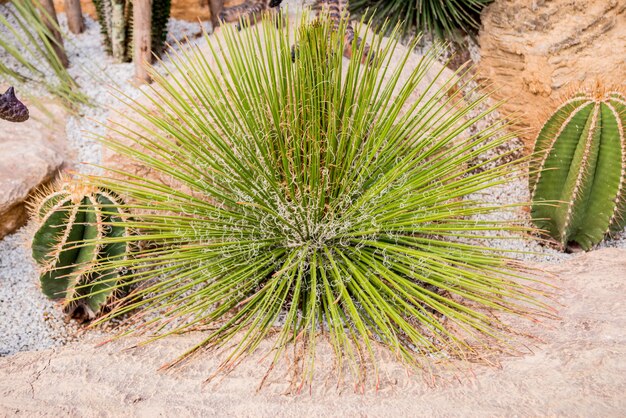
76,230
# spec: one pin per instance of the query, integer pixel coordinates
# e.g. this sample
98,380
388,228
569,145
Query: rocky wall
534,51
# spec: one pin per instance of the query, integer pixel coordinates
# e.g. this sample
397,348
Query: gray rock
31,153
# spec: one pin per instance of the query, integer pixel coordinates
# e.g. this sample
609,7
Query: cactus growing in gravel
77,230
581,170
115,18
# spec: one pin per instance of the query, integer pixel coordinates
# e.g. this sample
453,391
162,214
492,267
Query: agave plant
311,197
29,51
443,18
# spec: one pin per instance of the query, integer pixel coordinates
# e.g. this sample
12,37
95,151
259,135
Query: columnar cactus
160,17
77,227
578,181
116,23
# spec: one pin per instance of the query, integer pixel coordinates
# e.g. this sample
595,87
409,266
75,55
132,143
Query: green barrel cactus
77,230
578,180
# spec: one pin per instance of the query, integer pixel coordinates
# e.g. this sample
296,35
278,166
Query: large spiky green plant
28,51
314,196
445,18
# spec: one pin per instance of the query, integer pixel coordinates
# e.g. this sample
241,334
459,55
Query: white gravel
28,320
94,69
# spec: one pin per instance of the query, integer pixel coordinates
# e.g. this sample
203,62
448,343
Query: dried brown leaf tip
11,108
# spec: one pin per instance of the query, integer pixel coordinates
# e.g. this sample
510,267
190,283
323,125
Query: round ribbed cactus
77,230
578,180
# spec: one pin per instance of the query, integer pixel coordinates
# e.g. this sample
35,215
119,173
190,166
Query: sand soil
578,369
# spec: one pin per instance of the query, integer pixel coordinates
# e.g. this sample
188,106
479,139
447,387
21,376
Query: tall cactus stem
118,30
116,22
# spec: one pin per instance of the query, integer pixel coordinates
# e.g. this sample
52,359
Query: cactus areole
578,180
77,231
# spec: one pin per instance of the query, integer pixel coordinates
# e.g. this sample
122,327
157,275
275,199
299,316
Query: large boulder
31,153
534,51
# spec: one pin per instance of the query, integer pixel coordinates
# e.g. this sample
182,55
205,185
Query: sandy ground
578,370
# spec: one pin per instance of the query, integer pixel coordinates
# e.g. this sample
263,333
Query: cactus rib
575,188
618,220
544,147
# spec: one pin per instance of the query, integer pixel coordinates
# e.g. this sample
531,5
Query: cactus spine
116,24
76,234
578,180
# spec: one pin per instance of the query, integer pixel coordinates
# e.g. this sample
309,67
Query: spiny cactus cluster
116,25
578,181
77,230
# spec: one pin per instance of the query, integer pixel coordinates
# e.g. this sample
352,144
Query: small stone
11,109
